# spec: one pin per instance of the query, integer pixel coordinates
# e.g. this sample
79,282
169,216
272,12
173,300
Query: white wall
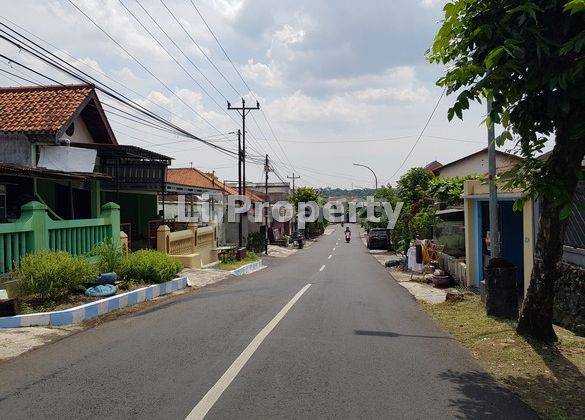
81,133
477,164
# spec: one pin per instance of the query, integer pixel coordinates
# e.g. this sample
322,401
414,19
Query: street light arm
371,170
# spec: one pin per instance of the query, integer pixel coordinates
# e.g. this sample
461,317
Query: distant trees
305,195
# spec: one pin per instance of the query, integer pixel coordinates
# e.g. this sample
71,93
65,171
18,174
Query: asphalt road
353,345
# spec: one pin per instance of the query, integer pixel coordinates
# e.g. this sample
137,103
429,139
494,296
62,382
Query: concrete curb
248,268
91,310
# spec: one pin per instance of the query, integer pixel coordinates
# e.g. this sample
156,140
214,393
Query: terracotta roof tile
39,109
193,177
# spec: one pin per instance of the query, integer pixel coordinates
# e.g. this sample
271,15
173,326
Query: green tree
528,57
448,190
305,195
413,185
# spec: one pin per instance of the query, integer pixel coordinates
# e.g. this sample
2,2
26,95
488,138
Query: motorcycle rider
347,234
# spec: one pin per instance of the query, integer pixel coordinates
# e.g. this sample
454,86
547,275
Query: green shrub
256,242
148,266
109,255
50,274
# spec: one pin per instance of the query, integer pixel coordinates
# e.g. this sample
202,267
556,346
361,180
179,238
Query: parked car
378,238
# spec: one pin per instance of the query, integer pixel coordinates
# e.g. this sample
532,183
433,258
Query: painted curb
248,268
91,310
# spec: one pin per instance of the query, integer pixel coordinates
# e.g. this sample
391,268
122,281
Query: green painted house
59,151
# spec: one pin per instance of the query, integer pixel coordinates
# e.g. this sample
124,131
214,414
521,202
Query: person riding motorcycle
347,234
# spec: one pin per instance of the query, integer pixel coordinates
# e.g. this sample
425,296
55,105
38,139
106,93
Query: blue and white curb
91,310
248,268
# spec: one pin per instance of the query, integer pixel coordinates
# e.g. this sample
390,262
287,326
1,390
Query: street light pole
371,170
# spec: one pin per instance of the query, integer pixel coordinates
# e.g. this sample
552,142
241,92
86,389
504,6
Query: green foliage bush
109,255
256,242
50,274
148,266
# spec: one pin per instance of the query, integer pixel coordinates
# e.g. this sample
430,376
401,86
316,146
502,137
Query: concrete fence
195,246
35,231
453,266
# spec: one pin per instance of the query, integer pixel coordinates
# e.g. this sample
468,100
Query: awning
30,172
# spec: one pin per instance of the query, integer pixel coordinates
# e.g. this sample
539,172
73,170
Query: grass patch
549,378
232,264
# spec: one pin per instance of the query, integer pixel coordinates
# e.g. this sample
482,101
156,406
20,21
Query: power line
421,134
77,60
107,90
173,58
246,85
19,77
201,50
180,49
172,92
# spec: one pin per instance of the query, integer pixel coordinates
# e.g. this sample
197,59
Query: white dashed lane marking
207,402
322,267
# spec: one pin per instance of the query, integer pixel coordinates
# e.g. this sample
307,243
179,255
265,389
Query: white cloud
289,35
228,9
431,3
261,73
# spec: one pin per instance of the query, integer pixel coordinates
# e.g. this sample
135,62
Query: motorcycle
347,237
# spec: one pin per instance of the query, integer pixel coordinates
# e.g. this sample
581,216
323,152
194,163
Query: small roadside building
277,191
518,231
188,190
59,149
475,163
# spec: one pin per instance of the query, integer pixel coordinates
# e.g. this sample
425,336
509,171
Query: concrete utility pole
243,111
495,250
266,170
293,177
240,187
371,170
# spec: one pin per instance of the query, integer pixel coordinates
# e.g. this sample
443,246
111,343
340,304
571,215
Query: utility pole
266,170
240,187
293,177
243,111
493,207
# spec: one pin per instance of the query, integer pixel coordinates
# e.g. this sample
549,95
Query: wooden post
95,193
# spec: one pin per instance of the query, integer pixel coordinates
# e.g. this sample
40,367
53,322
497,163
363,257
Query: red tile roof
193,177
40,109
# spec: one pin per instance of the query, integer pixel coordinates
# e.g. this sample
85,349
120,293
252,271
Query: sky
339,81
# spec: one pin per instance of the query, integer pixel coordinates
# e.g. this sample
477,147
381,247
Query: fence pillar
111,212
162,239
35,214
193,228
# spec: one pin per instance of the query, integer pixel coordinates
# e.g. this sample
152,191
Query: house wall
16,150
81,133
474,193
135,208
477,164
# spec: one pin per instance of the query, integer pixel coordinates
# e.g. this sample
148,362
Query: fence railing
36,231
454,266
194,246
